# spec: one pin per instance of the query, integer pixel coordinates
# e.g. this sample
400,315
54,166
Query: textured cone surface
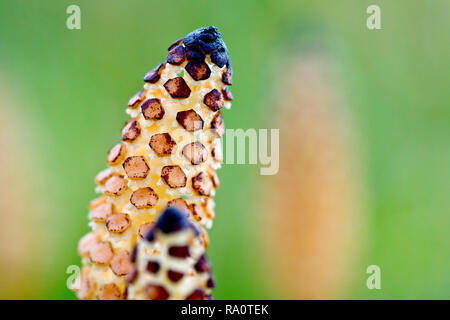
170,262
167,158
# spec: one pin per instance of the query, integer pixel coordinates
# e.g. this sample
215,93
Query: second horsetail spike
170,262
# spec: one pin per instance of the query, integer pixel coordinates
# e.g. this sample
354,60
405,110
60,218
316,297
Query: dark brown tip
194,53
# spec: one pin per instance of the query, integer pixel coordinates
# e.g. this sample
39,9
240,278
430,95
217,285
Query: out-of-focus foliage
73,86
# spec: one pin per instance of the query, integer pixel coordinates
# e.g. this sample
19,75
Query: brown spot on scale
217,124
179,252
156,292
176,55
202,265
144,198
196,211
227,95
174,276
202,184
198,70
213,100
190,120
195,152
101,253
117,154
109,291
180,204
196,295
102,212
211,284
103,176
177,88
162,144
174,176
118,223
153,266
120,263
227,77
131,131
86,243
115,185
153,75
145,228
152,109
136,167
194,53
134,101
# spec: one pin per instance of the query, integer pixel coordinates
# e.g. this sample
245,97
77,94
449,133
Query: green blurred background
62,99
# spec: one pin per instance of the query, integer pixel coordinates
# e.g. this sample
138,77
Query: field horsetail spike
167,158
